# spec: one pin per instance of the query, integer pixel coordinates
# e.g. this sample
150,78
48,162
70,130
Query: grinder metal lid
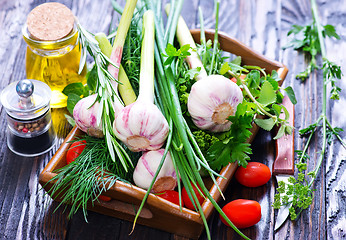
26,99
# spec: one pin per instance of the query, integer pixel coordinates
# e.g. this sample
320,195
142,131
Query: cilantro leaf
329,30
172,53
291,95
267,94
266,124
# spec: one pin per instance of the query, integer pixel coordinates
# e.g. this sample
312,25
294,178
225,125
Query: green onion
186,159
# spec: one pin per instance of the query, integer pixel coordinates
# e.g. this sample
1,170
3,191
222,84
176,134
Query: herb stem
203,40
184,37
336,134
263,111
216,37
324,91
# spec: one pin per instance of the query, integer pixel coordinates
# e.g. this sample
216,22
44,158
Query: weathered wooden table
26,212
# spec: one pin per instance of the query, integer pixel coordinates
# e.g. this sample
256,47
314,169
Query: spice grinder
30,130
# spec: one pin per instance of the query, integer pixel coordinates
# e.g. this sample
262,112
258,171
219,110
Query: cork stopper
50,21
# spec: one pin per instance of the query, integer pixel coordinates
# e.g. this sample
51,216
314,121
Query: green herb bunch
99,80
93,172
262,97
298,193
261,105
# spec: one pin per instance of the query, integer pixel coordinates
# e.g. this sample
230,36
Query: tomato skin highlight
243,213
170,195
254,175
75,149
188,203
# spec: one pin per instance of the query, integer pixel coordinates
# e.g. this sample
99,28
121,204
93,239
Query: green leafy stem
266,97
298,193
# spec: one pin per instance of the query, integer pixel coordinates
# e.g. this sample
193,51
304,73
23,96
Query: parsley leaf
232,145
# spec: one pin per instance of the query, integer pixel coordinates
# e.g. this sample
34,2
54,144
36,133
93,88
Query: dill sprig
298,193
93,172
132,52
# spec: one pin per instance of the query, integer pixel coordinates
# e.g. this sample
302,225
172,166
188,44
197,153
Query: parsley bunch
298,194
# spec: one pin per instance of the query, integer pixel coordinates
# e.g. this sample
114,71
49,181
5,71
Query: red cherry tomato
104,198
75,149
243,213
255,174
188,203
171,195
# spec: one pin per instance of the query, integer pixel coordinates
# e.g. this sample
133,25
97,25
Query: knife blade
283,166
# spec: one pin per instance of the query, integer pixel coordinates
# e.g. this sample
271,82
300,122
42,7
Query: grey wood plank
336,155
27,213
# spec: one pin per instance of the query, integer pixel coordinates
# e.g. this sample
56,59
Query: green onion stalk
186,156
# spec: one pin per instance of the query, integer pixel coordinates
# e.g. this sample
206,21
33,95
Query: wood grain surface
26,212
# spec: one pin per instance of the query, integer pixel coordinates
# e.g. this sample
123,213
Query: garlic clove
146,168
212,100
141,126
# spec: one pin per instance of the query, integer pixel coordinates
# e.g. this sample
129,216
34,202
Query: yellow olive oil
55,63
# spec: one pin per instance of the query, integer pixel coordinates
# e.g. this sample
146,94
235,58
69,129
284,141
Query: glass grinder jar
30,130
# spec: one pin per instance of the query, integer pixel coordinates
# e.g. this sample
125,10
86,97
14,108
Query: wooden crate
158,212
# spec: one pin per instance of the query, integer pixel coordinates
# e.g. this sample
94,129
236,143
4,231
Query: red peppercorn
25,130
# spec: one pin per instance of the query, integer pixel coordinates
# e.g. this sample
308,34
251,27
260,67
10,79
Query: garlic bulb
146,168
212,100
141,125
84,114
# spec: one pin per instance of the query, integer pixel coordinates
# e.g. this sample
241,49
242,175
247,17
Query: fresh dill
132,52
93,172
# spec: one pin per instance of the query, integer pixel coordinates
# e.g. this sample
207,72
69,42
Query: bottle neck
51,48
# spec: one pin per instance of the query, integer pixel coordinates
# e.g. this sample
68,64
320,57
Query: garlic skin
146,168
86,116
141,126
212,100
